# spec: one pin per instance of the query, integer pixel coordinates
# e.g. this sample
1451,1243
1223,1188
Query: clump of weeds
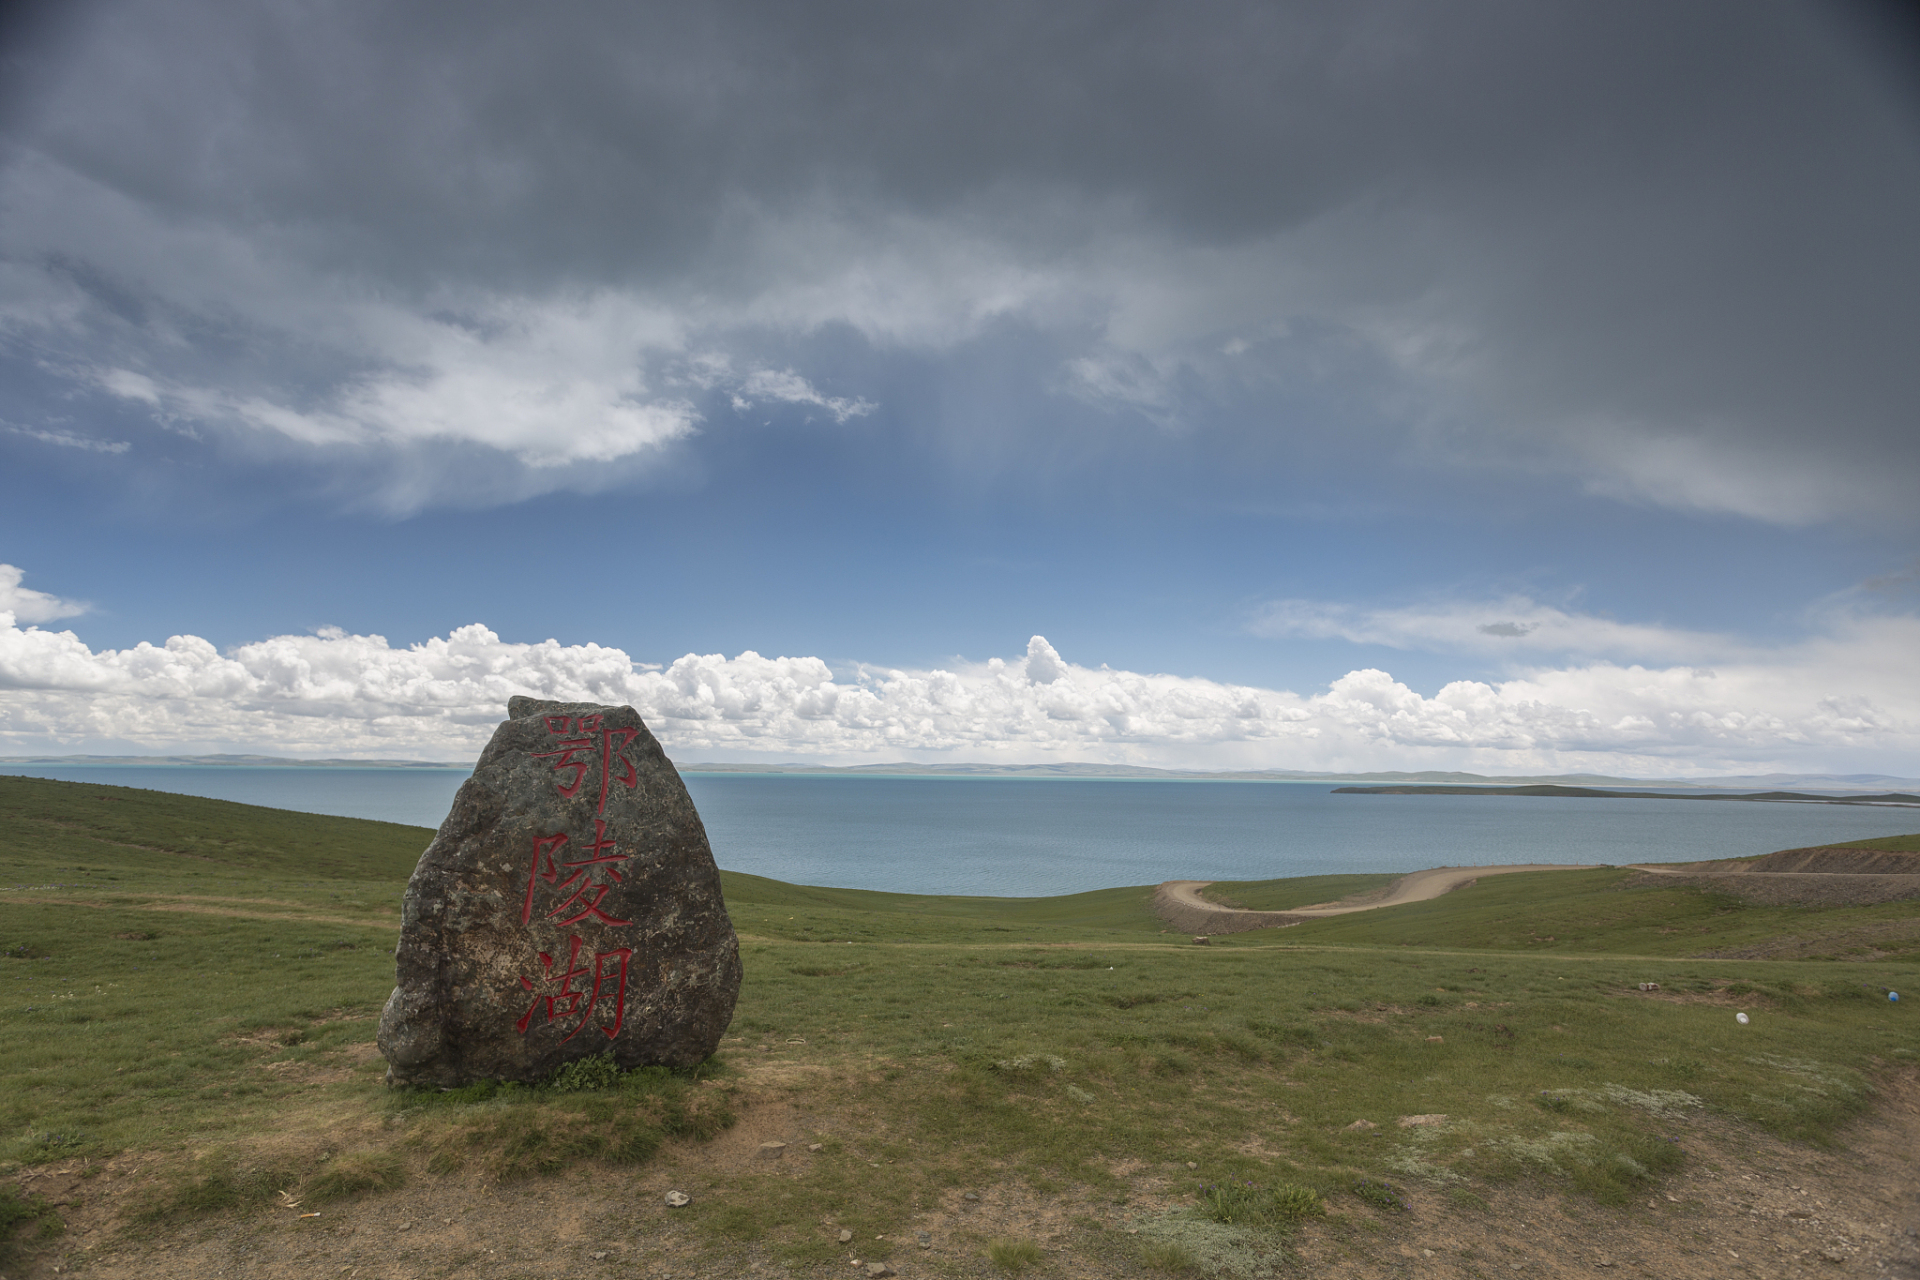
1013,1256
1247,1204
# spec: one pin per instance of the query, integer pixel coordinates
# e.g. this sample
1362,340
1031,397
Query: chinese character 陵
547,866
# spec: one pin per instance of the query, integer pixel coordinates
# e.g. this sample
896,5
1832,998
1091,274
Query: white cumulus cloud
27,605
1852,695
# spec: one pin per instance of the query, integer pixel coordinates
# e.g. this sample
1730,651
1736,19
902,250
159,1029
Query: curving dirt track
1179,903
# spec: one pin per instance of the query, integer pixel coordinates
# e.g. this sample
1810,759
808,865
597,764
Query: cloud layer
1663,251
334,694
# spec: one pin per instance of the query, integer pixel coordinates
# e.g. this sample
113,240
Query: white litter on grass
1740,1018
678,1199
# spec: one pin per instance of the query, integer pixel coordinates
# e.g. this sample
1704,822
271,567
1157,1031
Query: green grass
186,977
1013,1256
1248,1204
1885,844
588,1109
1591,913
91,835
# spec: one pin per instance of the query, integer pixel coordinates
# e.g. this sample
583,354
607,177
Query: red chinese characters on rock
582,738
562,999
548,867
577,880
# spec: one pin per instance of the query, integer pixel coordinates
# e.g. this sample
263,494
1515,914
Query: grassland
185,979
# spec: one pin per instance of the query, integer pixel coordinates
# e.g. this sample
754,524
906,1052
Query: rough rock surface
569,906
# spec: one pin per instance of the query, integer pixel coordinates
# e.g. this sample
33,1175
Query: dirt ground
1744,1205
1179,903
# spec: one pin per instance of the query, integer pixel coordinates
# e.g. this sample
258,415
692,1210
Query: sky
1508,387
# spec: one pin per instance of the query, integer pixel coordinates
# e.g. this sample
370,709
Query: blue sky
1330,386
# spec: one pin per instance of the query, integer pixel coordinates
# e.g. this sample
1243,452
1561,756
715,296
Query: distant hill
1835,782
1771,781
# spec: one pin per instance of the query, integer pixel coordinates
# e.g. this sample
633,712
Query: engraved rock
568,907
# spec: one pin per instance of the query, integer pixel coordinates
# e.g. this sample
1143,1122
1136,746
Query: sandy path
1421,886
1180,904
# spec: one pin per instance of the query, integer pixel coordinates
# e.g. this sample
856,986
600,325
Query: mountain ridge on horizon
1070,769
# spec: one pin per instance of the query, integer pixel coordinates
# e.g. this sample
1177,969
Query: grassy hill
181,976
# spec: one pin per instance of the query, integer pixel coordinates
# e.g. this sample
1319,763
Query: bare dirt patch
201,908
1745,1205
1181,904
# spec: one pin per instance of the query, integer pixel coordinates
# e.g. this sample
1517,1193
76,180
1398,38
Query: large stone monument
569,906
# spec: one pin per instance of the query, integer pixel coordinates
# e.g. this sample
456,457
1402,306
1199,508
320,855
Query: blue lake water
1030,837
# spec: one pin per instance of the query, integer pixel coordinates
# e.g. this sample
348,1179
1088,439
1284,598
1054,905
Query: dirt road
1179,903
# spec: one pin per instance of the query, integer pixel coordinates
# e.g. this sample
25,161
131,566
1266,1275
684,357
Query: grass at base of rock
355,1173
587,1111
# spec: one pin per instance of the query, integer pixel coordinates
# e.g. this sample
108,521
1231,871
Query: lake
1008,837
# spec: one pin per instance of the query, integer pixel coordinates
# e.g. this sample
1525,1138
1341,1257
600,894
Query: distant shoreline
1448,782
1888,799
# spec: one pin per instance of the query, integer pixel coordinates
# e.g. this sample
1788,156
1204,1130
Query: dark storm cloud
1665,249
